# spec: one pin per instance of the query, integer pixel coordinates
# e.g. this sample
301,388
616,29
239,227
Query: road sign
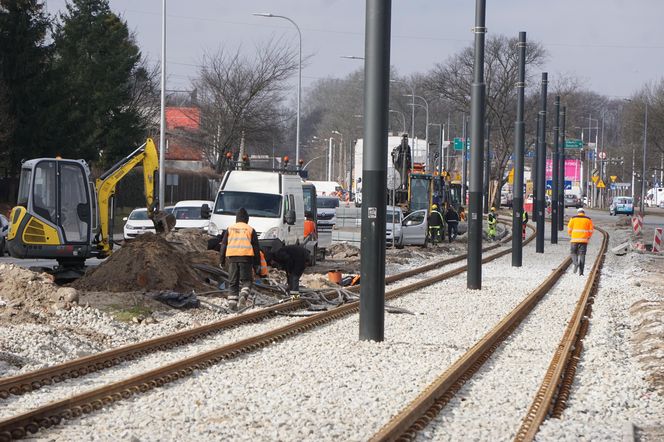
510,176
573,144
613,178
458,144
623,185
595,178
600,184
601,155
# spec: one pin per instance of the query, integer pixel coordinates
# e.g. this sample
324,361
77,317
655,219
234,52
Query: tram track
555,388
44,417
34,380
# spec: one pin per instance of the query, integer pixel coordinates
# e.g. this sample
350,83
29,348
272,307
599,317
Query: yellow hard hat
493,209
434,206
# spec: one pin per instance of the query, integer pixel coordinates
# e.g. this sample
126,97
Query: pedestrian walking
239,247
292,259
452,220
492,220
524,222
580,228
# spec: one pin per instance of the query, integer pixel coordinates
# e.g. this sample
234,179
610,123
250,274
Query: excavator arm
146,155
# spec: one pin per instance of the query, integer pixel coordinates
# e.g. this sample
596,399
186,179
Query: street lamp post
412,118
162,113
341,150
426,104
403,117
643,170
299,79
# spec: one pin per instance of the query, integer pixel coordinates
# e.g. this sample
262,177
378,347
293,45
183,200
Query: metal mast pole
519,141
643,170
541,169
487,168
374,166
464,162
561,172
554,173
162,114
477,95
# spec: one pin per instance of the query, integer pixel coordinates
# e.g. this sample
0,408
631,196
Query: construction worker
293,259
435,224
239,245
262,269
452,220
492,220
310,233
580,229
462,213
524,222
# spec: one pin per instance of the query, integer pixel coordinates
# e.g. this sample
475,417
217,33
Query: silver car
4,230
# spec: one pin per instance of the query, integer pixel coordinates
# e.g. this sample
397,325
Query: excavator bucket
163,222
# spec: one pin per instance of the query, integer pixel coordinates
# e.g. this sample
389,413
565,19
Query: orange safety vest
263,269
239,240
309,227
580,229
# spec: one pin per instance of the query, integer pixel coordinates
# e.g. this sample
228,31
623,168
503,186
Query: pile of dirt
188,240
26,295
149,263
342,250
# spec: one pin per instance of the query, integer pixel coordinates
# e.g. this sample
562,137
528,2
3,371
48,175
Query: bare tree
452,80
242,97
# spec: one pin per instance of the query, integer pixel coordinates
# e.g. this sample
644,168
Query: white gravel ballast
493,403
325,384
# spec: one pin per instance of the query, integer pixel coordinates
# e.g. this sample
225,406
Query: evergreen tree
97,60
24,78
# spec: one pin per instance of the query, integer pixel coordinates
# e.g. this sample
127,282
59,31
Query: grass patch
128,314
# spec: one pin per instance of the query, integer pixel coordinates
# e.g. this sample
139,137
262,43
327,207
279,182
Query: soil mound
188,240
25,295
149,263
343,250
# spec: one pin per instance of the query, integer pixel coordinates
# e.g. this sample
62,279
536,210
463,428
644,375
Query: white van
273,200
188,214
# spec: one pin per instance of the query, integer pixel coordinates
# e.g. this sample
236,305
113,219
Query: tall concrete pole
541,169
464,162
329,161
555,182
561,172
162,114
519,141
374,168
477,95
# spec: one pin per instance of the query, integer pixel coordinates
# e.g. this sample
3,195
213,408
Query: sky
613,46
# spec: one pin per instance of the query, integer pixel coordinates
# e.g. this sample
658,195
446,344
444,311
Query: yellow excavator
62,214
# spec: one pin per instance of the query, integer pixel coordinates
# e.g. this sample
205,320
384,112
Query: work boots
244,296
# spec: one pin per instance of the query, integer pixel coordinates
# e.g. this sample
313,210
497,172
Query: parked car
4,230
572,200
188,214
394,219
137,223
622,204
326,208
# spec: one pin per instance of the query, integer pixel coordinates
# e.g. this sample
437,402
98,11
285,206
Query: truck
655,197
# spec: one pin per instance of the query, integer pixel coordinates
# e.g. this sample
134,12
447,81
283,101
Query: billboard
572,169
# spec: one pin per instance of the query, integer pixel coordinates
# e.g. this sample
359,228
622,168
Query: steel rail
52,414
554,390
27,382
435,397
417,415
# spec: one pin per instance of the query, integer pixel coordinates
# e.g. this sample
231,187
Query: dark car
572,200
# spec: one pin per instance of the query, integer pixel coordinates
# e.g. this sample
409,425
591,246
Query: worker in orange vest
580,229
239,246
310,233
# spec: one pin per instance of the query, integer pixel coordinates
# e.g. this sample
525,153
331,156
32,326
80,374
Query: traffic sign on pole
595,178
600,184
613,178
573,144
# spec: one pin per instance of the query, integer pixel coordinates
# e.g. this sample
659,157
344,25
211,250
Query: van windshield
264,205
327,203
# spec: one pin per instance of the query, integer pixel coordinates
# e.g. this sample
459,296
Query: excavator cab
56,214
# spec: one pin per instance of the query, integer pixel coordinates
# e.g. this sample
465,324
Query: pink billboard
572,170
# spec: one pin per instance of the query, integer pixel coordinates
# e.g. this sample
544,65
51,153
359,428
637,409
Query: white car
394,219
188,214
137,223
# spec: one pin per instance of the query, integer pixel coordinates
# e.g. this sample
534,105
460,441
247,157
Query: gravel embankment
493,403
110,331
325,384
610,394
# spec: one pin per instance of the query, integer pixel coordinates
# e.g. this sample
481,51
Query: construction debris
343,250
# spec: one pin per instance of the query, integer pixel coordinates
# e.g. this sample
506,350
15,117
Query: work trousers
452,230
293,280
578,252
239,272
